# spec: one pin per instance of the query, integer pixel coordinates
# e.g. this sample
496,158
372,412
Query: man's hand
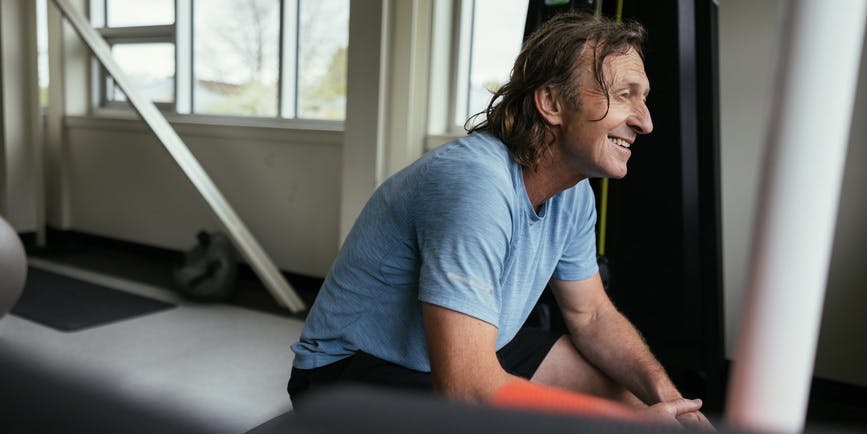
695,420
679,412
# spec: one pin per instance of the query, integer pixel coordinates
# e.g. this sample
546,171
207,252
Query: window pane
322,42
236,54
42,50
123,13
498,28
150,66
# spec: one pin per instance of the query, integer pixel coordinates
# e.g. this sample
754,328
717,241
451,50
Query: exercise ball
13,267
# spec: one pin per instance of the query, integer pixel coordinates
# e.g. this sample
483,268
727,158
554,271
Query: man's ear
547,99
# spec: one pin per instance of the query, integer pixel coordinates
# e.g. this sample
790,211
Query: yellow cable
603,217
603,206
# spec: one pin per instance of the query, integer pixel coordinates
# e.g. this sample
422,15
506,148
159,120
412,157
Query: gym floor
217,367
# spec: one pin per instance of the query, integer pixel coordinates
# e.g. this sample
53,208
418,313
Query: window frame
131,36
447,32
159,33
181,35
451,60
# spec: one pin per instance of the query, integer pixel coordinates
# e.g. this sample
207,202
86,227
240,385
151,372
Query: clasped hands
678,412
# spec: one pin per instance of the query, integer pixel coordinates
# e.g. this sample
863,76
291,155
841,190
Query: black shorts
520,357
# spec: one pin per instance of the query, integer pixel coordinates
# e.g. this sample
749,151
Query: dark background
663,243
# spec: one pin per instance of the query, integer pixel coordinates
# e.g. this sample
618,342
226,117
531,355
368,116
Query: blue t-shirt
455,229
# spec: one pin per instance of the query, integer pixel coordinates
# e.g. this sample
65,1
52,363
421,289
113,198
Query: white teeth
619,142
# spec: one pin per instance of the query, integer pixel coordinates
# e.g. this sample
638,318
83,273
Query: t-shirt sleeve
463,225
578,261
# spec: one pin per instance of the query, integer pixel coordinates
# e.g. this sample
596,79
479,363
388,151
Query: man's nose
640,121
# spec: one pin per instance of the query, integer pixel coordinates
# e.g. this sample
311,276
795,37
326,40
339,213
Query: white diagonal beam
238,232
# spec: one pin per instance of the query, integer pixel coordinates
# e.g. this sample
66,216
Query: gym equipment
662,221
813,103
358,408
209,271
601,259
524,395
240,235
659,239
13,267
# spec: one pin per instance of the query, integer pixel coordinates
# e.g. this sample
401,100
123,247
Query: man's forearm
609,341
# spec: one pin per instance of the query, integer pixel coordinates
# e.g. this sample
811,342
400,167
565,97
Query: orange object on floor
524,395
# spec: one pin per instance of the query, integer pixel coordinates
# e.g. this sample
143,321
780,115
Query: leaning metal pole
807,140
238,232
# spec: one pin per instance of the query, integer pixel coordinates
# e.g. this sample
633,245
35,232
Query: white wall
748,41
284,184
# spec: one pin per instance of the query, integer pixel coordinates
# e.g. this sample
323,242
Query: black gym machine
659,227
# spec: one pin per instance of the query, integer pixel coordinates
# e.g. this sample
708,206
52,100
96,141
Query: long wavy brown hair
552,57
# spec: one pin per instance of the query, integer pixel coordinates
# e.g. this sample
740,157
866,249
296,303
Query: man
450,255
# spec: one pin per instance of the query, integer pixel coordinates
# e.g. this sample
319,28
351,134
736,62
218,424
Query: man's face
600,148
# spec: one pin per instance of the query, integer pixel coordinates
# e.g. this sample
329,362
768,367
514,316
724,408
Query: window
42,51
124,13
491,35
260,58
142,41
235,57
151,65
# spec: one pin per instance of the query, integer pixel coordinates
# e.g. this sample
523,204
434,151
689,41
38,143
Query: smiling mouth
619,142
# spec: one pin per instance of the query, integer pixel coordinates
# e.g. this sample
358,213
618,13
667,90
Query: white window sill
308,131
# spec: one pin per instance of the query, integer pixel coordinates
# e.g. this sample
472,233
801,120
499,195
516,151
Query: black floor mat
69,304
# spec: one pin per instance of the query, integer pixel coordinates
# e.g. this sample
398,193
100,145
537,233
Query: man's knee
567,368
